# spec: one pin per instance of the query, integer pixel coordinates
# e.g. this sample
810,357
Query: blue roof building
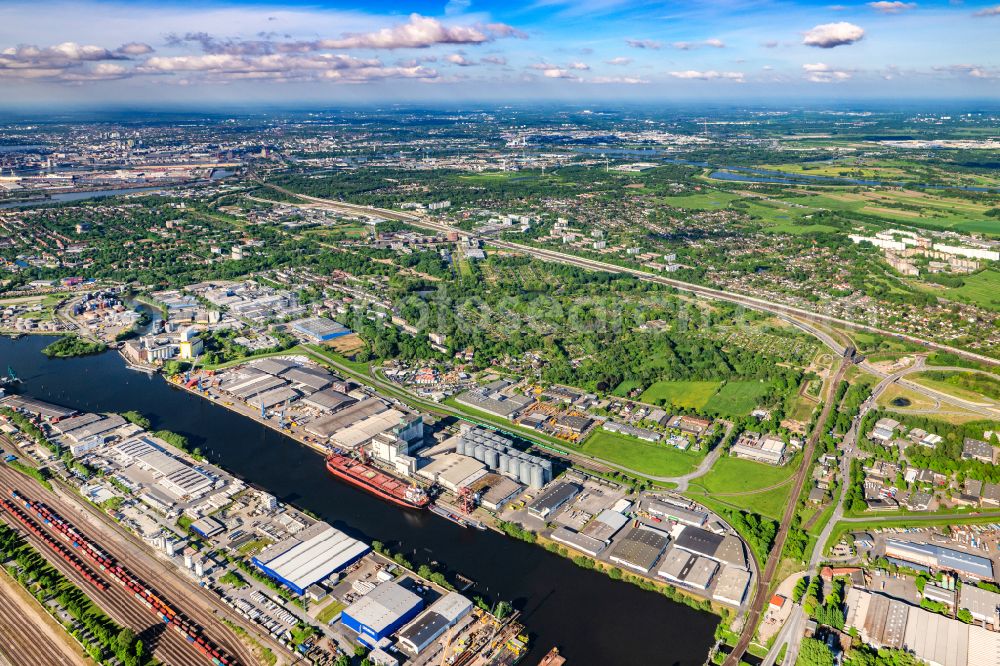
381,612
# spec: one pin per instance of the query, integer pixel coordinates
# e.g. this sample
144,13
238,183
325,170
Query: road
849,449
798,316
774,558
986,409
387,388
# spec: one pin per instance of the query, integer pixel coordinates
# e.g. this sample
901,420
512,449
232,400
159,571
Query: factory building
310,556
452,471
676,513
492,401
378,614
725,548
326,426
320,329
938,557
935,639
731,586
45,411
687,569
328,400
553,498
640,548
408,428
581,542
427,627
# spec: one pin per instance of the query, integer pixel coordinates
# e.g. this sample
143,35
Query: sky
61,54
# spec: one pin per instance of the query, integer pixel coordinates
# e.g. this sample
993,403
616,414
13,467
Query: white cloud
627,80
988,11
619,61
459,59
493,60
974,71
690,46
644,44
822,73
709,75
582,66
894,7
134,49
557,73
829,35
420,32
281,66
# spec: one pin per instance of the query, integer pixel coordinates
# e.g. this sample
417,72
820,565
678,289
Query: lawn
983,289
734,475
704,201
626,387
330,611
690,394
738,398
642,456
967,385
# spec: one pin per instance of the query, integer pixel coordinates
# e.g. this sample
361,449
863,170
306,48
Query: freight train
59,549
149,597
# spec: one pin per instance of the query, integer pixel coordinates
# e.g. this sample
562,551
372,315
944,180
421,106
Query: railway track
22,640
131,611
756,609
121,607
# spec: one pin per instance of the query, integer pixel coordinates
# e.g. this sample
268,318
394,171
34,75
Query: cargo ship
364,476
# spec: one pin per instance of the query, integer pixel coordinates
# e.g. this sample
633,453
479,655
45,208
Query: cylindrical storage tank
524,475
503,463
546,465
460,447
480,452
492,459
537,476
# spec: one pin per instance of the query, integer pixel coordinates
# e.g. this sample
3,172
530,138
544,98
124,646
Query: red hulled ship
364,476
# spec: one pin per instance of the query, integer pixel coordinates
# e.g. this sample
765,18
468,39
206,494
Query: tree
814,652
800,589
502,610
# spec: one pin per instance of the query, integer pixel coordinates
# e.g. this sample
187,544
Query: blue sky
95,52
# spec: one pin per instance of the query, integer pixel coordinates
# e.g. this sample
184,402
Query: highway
798,316
803,319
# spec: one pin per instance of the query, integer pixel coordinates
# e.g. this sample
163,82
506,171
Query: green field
916,207
738,398
627,386
733,475
646,457
983,289
969,385
689,394
712,200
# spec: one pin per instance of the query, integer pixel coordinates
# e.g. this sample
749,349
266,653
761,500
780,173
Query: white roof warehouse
312,555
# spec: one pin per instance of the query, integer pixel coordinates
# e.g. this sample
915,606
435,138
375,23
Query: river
594,620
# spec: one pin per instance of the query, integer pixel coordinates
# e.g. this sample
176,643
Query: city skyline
95,53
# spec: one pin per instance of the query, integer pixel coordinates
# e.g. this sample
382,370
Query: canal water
592,619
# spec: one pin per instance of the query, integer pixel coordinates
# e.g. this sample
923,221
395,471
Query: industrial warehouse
310,556
928,556
380,446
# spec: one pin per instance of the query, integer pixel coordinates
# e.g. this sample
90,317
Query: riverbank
563,604
488,520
